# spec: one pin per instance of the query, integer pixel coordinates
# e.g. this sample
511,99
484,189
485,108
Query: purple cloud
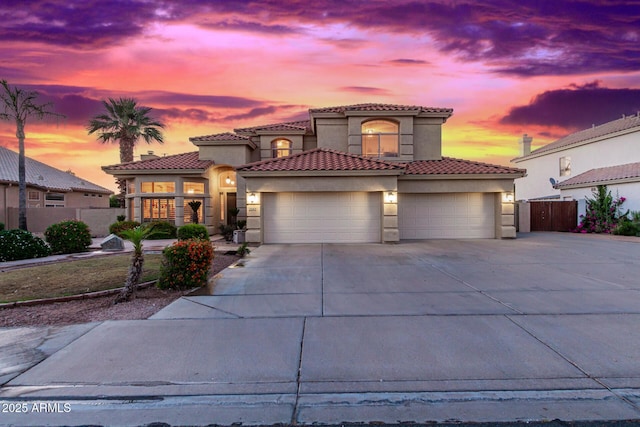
576,107
364,90
407,61
253,113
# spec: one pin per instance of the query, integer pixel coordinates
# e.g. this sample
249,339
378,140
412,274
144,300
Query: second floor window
380,138
280,148
565,166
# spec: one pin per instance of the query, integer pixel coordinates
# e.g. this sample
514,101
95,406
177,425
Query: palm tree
136,236
126,122
17,105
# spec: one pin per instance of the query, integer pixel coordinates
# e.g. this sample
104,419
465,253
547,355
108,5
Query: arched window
380,138
280,147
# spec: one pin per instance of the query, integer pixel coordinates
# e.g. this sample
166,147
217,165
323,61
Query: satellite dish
552,181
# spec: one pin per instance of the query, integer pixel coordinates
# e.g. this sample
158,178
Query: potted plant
194,205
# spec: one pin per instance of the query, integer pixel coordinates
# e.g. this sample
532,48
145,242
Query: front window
58,197
280,148
565,166
158,210
158,187
34,195
193,188
380,138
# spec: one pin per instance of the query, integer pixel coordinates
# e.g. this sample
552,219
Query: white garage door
321,217
446,216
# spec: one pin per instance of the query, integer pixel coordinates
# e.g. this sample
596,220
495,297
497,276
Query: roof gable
185,161
38,174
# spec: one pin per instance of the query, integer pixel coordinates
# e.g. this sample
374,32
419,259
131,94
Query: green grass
73,277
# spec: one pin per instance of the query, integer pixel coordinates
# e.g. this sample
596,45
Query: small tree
194,205
17,105
135,236
603,212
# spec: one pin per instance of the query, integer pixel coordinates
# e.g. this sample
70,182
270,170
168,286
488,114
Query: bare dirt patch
146,303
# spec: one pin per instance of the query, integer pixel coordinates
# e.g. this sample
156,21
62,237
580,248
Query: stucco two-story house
47,187
569,168
355,173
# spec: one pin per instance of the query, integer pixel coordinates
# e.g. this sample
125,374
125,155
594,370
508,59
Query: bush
161,230
627,228
118,227
1,226
193,231
68,237
121,218
603,212
186,264
20,244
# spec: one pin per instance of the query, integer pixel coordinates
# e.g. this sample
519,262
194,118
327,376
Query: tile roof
625,123
40,175
380,107
177,161
324,159
451,166
226,136
302,125
599,175
320,159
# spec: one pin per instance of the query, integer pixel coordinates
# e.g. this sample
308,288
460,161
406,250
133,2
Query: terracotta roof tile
41,175
599,175
226,136
380,107
304,125
177,161
320,159
451,166
628,122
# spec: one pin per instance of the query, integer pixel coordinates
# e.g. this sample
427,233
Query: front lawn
73,277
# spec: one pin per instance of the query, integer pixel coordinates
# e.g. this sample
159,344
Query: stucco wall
38,219
614,151
455,185
226,154
427,139
320,183
332,133
630,191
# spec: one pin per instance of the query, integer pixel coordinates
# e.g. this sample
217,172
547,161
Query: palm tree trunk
135,271
22,182
126,151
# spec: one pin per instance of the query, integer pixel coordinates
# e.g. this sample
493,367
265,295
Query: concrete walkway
539,328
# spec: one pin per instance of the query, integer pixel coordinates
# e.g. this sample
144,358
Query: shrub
68,237
627,228
227,231
118,227
121,218
193,231
1,226
603,212
161,230
186,264
20,244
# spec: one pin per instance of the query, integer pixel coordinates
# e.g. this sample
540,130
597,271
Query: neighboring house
46,187
356,173
569,168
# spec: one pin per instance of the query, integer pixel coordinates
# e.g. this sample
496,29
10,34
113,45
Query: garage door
321,217
446,216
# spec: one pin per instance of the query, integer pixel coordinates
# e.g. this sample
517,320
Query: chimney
149,156
525,145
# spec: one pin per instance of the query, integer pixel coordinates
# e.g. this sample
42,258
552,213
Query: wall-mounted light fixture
507,197
390,197
252,198
228,180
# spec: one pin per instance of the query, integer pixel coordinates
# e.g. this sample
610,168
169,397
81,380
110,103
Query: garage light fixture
252,198
390,197
507,197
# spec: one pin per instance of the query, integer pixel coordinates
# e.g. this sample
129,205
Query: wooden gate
554,216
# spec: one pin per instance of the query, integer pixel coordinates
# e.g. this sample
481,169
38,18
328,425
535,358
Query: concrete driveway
538,328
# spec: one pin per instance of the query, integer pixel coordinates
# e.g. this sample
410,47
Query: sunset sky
546,68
